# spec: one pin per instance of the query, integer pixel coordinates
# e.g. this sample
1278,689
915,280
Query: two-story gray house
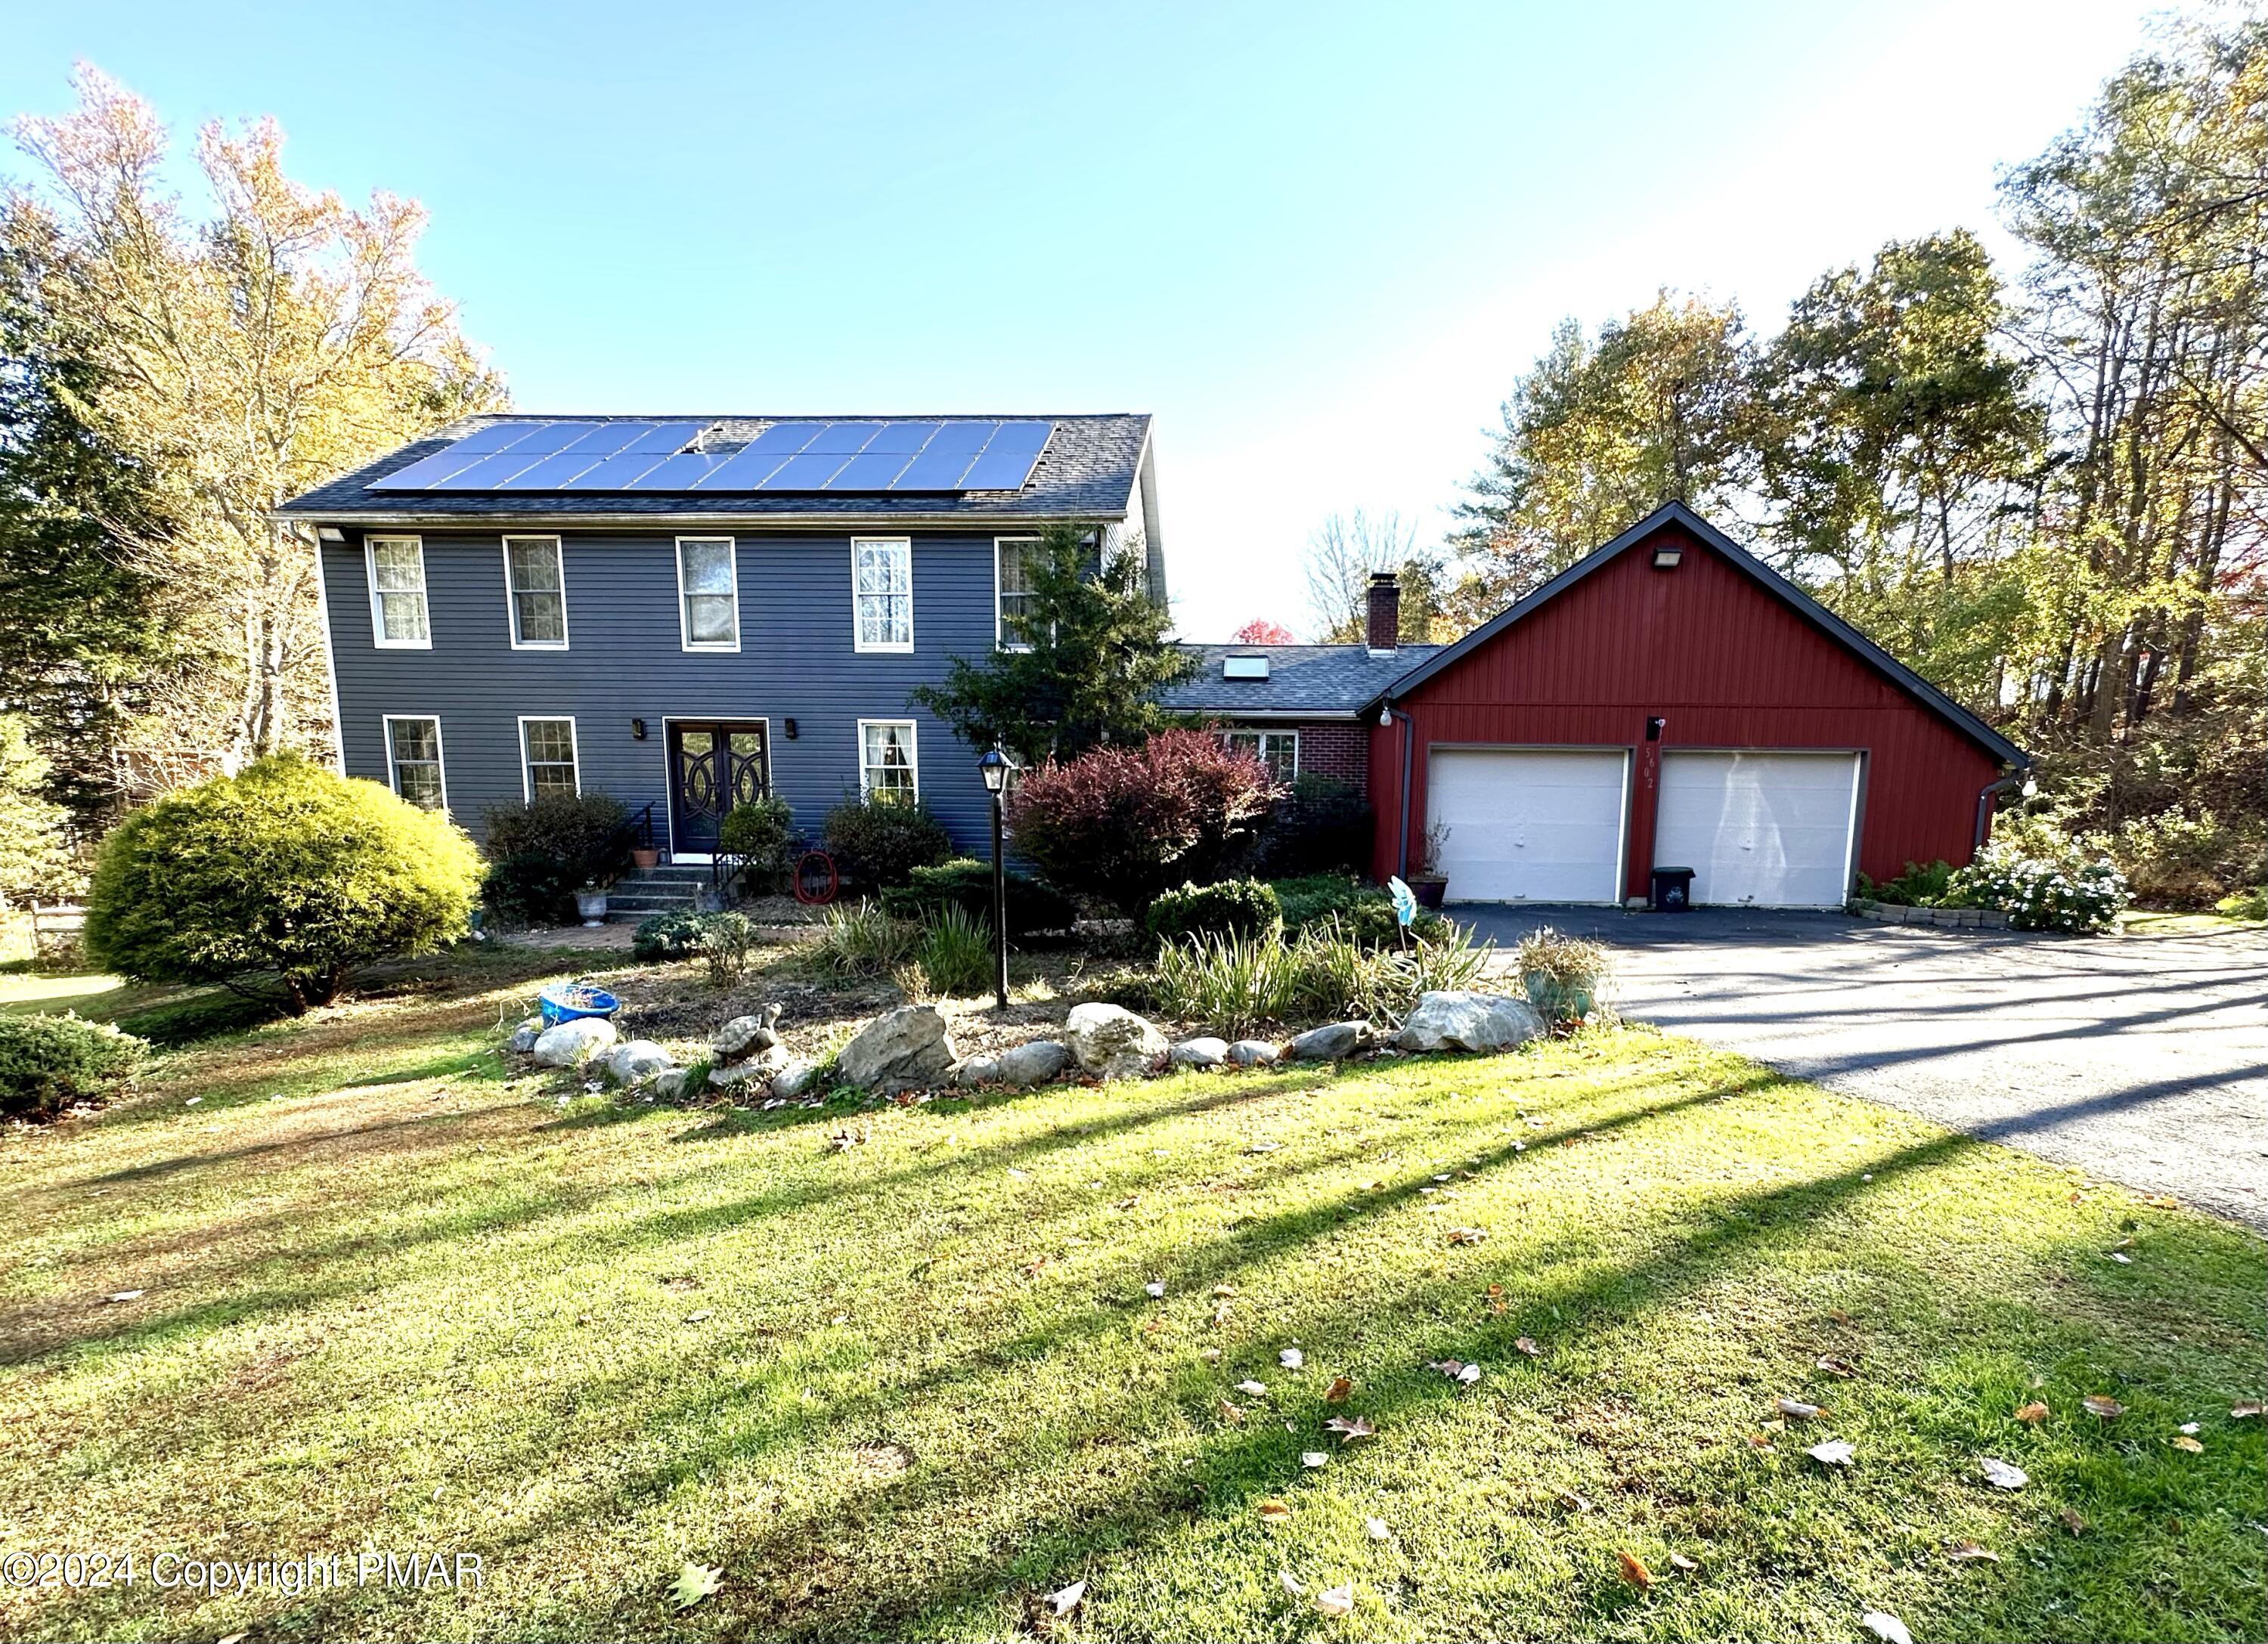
686,612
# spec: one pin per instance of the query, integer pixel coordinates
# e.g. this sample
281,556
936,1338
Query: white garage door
1529,825
1769,830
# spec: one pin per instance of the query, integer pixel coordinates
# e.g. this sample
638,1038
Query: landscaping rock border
1942,918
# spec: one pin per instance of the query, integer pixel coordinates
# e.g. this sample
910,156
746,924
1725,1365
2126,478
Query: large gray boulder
903,1049
1333,1043
1035,1063
1197,1052
1468,1021
571,1044
1112,1042
671,1086
745,1036
524,1036
1253,1053
639,1059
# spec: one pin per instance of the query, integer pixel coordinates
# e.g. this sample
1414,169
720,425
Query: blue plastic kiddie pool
564,1001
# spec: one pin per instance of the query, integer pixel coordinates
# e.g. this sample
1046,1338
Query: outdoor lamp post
994,768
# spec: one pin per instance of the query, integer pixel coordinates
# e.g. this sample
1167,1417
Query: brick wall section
1338,749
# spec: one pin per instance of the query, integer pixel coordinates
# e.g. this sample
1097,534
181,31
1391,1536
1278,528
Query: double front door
714,765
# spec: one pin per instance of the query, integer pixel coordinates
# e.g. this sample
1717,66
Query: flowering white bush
2064,891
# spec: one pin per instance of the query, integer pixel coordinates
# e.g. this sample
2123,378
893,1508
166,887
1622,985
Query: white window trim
913,752
440,753
685,640
1264,732
858,644
512,605
376,606
574,747
1000,640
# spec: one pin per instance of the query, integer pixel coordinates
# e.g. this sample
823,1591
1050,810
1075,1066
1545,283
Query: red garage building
1668,700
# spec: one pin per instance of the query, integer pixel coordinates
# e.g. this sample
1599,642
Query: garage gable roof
1769,580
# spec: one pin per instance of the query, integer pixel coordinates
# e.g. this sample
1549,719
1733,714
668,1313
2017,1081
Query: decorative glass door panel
713,767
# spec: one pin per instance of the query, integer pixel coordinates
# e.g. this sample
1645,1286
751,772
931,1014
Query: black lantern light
995,768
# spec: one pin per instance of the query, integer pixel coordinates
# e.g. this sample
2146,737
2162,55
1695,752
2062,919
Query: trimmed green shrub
2252,904
544,851
286,874
757,833
1232,908
2066,891
667,937
1363,912
1321,825
1917,887
49,1063
966,884
877,843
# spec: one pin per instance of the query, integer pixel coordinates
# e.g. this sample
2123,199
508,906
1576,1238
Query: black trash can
1673,890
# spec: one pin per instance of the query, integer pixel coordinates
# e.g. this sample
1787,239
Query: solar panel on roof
808,454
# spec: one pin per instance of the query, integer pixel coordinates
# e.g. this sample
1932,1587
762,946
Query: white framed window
399,620
889,763
548,764
882,593
413,759
535,588
1278,750
707,594
1012,589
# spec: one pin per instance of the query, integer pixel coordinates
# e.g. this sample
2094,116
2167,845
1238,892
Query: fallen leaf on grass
695,1318
1314,1458
1466,1235
1336,1601
1291,1358
1796,1408
1971,1553
2122,1259
1155,1291
1527,1345
1224,1290
2003,1475
1273,1511
123,1296
1231,1413
1886,1627
1375,1528
2032,1412
1338,1391
1832,1453
1463,1375
2102,1404
1496,1301
1220,1315
1679,1561
694,1583
1834,1366
2243,1413
1252,1389
1292,1583
1349,1428
1210,1355
1838,1315
1065,1599
1573,1503
1760,1441
2183,1441
2073,1522
1634,1570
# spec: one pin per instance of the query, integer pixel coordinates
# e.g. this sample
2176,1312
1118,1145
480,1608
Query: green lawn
896,1374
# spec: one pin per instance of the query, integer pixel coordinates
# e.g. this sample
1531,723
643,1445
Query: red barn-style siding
1728,664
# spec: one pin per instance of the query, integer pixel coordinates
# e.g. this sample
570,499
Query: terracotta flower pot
645,858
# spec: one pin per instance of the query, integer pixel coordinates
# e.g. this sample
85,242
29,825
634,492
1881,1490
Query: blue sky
1317,241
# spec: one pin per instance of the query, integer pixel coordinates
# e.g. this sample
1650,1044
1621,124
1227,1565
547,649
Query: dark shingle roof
1326,680
1087,472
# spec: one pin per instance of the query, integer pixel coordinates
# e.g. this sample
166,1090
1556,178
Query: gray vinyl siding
796,660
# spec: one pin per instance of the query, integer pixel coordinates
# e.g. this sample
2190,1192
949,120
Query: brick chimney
1383,626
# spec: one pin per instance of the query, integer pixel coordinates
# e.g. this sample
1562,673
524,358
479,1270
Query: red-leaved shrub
1124,824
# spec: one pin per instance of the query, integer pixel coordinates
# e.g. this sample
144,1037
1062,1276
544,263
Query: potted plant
644,857
1428,884
591,903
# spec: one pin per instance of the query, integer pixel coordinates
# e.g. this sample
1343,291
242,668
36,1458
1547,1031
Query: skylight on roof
1244,667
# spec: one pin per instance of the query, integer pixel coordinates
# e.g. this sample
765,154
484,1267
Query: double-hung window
707,594
547,753
1012,597
889,767
398,616
1278,750
882,593
536,580
413,759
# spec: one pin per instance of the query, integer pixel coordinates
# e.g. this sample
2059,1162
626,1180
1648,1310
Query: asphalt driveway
2143,1060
